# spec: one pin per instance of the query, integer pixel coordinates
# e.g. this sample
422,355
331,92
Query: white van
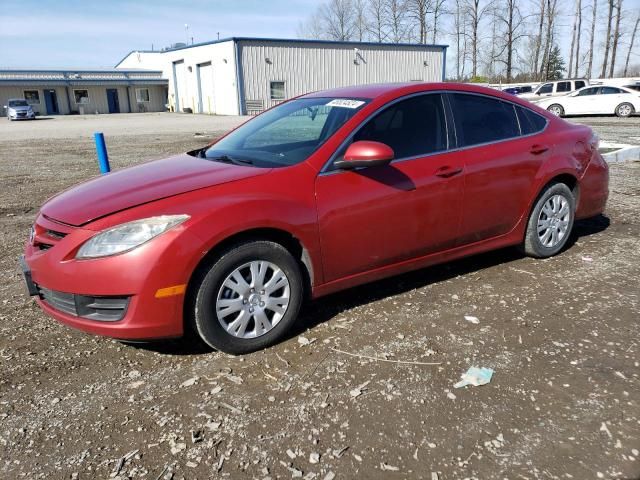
555,89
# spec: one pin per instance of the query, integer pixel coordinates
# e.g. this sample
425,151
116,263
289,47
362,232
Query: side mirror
365,154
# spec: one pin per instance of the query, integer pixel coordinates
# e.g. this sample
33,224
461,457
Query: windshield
18,103
287,134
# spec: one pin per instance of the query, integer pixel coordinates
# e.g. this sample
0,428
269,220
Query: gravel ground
335,400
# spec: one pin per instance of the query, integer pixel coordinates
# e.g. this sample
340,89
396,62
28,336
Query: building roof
81,77
290,40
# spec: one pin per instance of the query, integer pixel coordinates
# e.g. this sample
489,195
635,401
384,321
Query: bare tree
361,22
573,37
312,27
633,39
607,43
548,42
579,14
376,14
616,37
417,11
592,38
474,13
538,39
396,14
338,18
439,10
458,23
507,13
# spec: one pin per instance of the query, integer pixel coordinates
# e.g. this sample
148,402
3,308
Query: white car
602,99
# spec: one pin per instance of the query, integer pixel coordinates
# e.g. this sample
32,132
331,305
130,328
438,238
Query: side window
563,87
411,127
588,91
546,88
579,84
530,122
611,91
482,119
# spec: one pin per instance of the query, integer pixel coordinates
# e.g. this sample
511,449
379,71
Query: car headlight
126,237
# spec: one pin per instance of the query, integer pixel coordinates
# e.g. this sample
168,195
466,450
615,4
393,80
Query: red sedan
321,193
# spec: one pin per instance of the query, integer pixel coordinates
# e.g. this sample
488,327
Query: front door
51,102
377,216
112,100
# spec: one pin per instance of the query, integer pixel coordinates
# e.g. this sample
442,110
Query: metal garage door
180,86
205,88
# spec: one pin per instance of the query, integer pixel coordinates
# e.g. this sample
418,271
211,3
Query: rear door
500,163
585,101
372,217
610,98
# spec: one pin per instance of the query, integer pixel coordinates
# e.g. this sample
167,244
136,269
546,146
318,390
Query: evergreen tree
556,65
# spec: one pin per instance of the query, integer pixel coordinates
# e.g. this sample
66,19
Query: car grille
104,309
44,238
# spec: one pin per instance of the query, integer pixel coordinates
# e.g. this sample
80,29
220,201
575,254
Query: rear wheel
624,110
550,222
556,109
248,298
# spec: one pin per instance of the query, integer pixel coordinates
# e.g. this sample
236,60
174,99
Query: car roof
373,91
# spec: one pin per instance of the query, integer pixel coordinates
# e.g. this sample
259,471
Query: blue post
103,158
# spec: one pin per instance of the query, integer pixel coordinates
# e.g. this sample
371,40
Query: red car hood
141,184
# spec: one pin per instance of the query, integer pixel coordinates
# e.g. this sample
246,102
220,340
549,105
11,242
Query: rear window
563,87
530,122
611,91
579,84
481,119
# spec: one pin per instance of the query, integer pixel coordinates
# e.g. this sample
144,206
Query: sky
94,33
99,33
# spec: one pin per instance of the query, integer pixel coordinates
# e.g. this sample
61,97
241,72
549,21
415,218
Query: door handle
538,149
447,171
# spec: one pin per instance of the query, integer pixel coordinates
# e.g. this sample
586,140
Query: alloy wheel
253,299
553,221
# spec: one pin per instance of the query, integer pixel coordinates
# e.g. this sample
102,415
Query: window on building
32,97
482,119
412,127
563,87
81,96
530,122
142,95
276,90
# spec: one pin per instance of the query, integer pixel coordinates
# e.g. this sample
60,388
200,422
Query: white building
247,75
84,91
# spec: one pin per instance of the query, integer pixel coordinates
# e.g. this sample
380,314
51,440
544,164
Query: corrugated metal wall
308,67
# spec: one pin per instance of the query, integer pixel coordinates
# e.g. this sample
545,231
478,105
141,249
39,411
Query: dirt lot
561,335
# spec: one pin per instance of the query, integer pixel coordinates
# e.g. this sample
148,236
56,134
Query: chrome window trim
448,114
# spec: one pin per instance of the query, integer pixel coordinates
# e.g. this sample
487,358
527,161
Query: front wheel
550,222
624,110
556,109
248,298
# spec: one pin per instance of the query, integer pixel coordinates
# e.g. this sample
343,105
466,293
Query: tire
547,243
212,294
556,109
624,110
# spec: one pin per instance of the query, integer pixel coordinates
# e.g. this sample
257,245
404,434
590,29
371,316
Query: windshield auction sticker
344,103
